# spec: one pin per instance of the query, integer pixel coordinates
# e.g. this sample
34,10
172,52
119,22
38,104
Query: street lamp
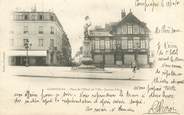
27,45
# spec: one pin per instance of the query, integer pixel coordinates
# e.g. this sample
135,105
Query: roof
110,27
130,18
38,12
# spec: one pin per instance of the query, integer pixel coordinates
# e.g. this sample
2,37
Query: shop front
35,58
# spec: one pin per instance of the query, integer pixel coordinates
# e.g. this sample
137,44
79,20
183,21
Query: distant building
49,43
121,43
78,56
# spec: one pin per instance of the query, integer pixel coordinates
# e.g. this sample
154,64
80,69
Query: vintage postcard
88,57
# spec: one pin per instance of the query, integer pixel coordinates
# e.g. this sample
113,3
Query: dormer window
130,29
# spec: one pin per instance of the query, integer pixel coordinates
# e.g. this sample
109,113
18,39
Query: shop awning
30,53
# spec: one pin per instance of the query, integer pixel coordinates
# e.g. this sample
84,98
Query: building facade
121,43
48,43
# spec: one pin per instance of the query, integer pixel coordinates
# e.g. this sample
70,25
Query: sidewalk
68,72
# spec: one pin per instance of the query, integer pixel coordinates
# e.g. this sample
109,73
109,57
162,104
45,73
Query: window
40,17
97,44
33,17
19,17
40,42
25,29
124,29
136,43
51,42
135,29
25,17
129,29
107,44
11,42
118,44
124,44
130,44
143,44
51,30
40,30
147,44
113,44
102,44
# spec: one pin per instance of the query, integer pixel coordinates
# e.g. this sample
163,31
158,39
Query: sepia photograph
66,57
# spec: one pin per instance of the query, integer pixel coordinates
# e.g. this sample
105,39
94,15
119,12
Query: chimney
34,8
123,13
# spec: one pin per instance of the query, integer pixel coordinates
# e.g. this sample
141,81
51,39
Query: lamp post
27,45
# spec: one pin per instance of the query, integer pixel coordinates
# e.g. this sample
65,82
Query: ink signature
158,107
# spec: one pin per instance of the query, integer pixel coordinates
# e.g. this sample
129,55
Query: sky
71,14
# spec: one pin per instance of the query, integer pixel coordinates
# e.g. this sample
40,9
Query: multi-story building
48,43
121,43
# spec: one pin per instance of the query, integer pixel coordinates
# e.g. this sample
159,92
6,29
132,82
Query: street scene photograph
39,39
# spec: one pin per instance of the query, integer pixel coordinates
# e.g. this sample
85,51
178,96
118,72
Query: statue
87,61
86,27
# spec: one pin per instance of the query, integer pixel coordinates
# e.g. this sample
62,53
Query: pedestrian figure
134,66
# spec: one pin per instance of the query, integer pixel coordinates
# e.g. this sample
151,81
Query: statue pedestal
87,61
